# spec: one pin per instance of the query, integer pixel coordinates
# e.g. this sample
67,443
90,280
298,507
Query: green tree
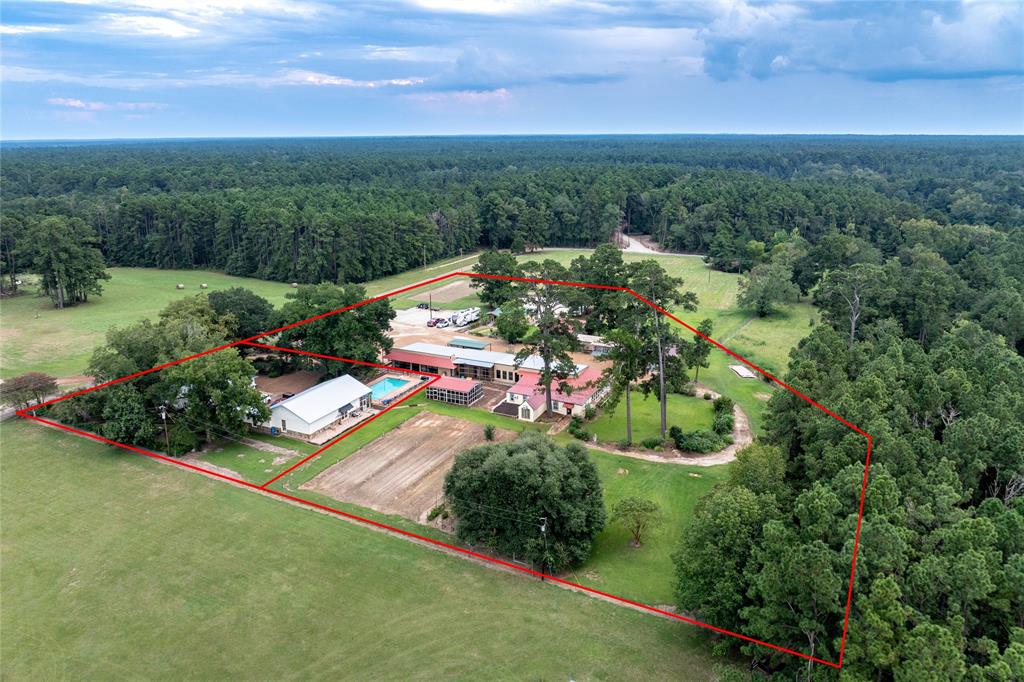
63,252
648,279
554,337
766,286
529,498
512,324
252,313
125,418
699,353
638,516
359,333
213,395
631,359
495,292
855,294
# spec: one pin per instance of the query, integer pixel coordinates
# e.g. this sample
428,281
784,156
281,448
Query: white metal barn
319,407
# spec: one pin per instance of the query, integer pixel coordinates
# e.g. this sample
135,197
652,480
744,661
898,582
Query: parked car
434,321
441,322
422,306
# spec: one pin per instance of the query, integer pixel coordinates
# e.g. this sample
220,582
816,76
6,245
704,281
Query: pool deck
410,382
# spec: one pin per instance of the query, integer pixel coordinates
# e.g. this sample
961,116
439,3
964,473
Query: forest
352,210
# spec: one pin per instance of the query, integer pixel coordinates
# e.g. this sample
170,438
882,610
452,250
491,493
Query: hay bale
179,286
204,285
295,285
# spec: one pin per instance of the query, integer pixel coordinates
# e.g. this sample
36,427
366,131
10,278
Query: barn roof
323,399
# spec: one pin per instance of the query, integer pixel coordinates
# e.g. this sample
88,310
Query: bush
697,441
651,443
689,390
707,396
439,510
499,492
625,444
723,423
723,405
577,430
489,432
590,412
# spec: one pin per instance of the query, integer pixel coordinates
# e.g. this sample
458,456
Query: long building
465,363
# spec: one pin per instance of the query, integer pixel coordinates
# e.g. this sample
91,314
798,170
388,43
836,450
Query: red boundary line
251,341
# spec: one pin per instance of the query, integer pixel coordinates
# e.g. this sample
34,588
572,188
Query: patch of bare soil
403,471
460,288
196,460
762,396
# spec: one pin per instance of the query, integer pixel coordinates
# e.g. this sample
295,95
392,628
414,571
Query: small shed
468,343
455,391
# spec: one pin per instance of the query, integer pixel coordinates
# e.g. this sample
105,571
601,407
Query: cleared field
453,291
214,583
36,337
402,472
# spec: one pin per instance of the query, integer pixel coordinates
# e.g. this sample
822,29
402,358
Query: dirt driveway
403,471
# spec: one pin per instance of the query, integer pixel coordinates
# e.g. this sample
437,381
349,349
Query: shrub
723,423
723,405
590,412
439,510
527,479
624,443
697,441
689,390
707,396
489,432
651,443
577,430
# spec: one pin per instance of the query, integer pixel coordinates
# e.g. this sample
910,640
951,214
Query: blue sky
174,68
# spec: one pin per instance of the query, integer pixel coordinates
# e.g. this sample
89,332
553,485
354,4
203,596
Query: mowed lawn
646,573
213,582
37,337
688,413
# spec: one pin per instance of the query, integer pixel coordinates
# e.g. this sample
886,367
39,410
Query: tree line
350,211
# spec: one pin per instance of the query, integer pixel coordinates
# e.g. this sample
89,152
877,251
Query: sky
240,68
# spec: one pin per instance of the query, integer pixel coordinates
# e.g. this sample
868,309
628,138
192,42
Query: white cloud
129,24
303,77
81,105
16,29
410,53
496,96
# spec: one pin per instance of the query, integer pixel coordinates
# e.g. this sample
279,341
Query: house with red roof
585,390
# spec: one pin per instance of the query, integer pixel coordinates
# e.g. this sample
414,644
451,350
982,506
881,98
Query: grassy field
646,573
37,337
683,411
213,582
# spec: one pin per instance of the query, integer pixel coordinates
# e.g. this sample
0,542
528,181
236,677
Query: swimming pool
387,385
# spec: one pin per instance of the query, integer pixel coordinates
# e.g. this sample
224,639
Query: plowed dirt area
402,472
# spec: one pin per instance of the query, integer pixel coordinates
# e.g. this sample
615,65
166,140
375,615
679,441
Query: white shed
320,406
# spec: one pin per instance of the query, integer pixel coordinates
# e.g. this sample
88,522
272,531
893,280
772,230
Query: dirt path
742,436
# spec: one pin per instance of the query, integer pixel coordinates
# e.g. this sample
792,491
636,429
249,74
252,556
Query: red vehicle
432,322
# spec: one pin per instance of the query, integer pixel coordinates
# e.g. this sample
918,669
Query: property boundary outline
28,413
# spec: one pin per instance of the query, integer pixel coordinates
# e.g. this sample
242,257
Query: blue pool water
386,385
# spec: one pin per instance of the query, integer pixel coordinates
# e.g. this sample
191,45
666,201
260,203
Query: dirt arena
402,472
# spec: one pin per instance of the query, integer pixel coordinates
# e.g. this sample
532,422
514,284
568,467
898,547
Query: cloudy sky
172,68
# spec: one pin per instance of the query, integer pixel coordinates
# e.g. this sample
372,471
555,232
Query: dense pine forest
344,210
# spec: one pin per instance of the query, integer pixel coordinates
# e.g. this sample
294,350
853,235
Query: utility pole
544,533
167,440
